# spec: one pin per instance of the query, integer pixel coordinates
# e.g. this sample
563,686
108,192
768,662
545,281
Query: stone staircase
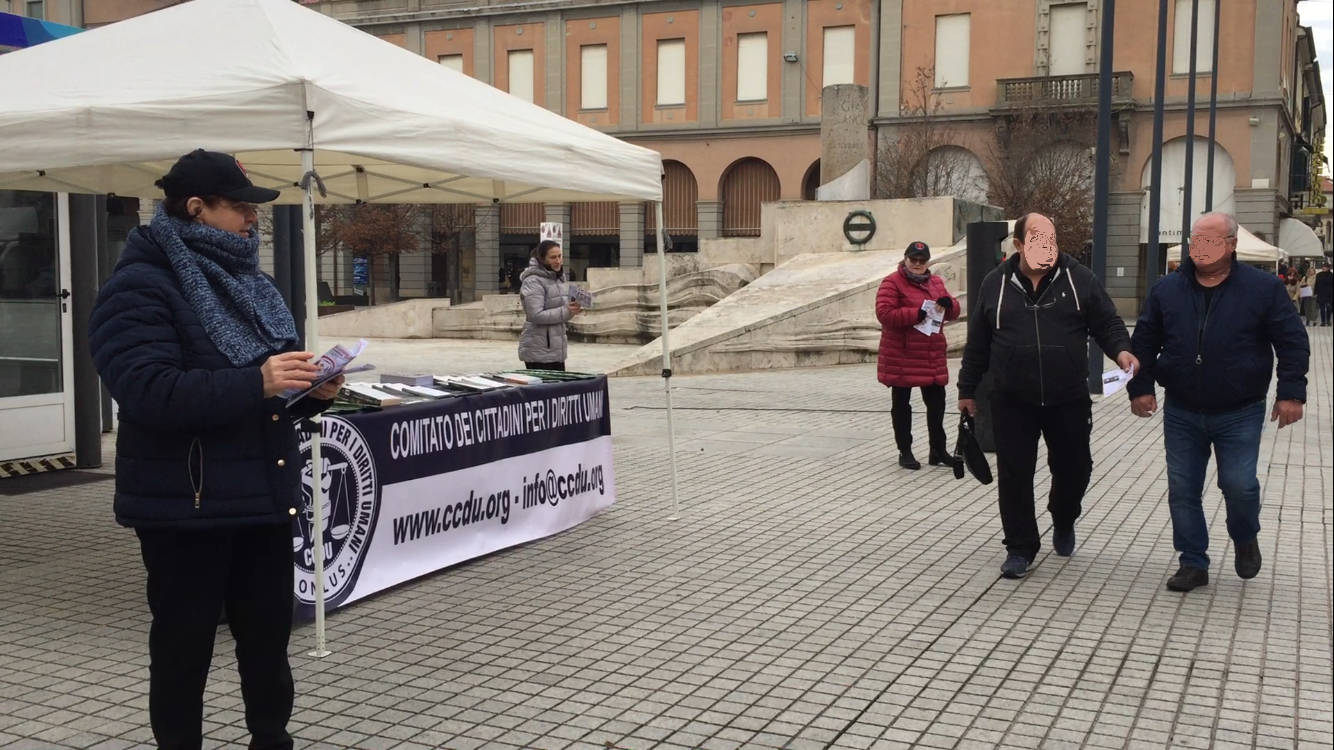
626,303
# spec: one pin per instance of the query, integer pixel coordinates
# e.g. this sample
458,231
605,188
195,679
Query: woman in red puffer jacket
912,359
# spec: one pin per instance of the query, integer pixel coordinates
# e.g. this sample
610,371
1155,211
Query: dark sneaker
907,461
1063,541
940,459
1015,566
1248,560
1188,579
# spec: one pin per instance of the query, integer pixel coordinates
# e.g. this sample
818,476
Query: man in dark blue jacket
1208,334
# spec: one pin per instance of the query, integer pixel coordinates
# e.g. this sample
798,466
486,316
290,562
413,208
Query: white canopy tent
1298,240
311,107
1250,249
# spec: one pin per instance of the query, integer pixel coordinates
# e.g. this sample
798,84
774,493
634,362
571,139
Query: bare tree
1041,160
450,226
914,161
379,232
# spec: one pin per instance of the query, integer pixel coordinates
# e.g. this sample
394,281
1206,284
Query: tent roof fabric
1250,249
1299,240
109,110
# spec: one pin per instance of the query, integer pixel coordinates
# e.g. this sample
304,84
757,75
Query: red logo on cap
919,246
242,168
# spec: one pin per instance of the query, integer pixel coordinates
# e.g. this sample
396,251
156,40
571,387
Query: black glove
946,303
921,315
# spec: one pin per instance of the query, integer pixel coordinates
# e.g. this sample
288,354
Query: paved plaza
811,595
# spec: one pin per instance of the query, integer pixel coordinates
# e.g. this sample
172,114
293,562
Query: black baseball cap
918,248
203,173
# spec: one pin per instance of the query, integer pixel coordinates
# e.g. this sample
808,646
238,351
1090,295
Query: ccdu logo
349,504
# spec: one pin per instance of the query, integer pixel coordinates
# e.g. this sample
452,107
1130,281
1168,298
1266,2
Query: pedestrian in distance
910,358
1030,329
1306,296
1209,334
1324,294
197,347
547,307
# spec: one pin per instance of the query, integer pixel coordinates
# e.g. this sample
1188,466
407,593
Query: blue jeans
1235,440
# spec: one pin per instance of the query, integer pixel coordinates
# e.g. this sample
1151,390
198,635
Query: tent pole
312,344
666,352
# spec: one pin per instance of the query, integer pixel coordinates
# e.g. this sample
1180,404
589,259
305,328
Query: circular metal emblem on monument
859,227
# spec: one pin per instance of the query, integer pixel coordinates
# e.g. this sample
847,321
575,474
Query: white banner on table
445,519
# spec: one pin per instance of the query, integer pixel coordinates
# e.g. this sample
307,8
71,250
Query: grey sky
1319,15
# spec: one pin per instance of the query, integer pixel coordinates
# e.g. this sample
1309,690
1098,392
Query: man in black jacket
1324,294
1208,334
1030,327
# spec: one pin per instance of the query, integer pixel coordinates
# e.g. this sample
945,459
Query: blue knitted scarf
242,311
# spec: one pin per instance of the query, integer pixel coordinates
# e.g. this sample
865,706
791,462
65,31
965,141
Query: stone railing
1048,90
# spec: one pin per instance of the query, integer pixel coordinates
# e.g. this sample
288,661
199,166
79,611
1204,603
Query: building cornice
1170,107
695,134
479,11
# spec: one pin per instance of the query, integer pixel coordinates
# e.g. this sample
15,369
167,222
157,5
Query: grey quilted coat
545,297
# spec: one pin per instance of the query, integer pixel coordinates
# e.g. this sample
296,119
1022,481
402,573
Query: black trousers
551,366
191,574
901,412
1067,429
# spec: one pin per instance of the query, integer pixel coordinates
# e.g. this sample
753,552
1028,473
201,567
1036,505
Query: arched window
680,192
747,184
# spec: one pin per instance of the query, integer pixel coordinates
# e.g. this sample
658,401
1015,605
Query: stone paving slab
811,595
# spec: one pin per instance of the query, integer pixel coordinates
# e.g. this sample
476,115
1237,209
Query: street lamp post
1102,173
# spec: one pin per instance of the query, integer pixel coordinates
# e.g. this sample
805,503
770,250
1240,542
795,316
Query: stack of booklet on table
396,389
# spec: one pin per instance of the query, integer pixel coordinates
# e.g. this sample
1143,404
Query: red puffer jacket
908,357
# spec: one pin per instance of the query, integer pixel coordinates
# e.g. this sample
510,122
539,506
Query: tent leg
666,355
312,344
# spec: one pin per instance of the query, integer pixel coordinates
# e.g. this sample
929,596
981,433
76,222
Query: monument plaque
844,136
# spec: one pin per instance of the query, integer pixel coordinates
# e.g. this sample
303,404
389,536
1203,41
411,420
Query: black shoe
1063,541
1248,560
940,459
1015,566
907,461
1188,579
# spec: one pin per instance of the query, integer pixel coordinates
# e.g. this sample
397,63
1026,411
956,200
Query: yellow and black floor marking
35,465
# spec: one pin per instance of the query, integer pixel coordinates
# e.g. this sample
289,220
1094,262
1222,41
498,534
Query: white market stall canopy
1250,249
1299,240
110,110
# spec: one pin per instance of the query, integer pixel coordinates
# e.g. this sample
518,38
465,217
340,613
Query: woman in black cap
197,347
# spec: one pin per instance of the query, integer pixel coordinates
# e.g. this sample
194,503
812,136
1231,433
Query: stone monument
845,143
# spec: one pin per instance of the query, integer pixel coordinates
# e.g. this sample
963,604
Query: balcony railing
1060,90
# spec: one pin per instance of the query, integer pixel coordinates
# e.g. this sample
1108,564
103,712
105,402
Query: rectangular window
37,9
840,47
593,76
752,67
1204,38
521,73
453,62
1067,43
952,40
671,72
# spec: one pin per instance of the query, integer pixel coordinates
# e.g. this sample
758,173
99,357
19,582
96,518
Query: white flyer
935,319
332,364
1115,380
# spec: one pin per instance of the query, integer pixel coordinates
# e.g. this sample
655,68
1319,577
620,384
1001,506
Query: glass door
36,384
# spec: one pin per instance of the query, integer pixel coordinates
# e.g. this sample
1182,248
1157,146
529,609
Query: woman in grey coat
547,306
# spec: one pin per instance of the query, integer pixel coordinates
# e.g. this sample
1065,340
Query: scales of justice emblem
349,502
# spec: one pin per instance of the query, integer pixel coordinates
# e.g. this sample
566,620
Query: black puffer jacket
1037,349
198,446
